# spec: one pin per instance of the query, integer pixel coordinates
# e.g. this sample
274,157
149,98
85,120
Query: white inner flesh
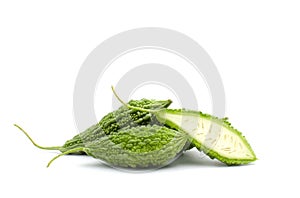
212,136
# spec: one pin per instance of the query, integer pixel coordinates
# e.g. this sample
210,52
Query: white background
254,44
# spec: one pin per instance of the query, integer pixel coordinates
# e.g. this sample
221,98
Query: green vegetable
144,134
138,147
112,122
216,137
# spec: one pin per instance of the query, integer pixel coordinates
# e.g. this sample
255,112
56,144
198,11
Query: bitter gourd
137,147
215,136
112,122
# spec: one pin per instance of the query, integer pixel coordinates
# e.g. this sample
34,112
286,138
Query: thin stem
65,153
35,144
132,107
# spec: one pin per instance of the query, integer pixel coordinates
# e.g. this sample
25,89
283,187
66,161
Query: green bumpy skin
122,118
138,147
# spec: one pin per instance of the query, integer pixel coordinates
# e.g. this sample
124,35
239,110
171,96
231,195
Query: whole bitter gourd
121,118
137,147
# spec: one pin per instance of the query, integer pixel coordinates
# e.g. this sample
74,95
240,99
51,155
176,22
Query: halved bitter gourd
215,136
